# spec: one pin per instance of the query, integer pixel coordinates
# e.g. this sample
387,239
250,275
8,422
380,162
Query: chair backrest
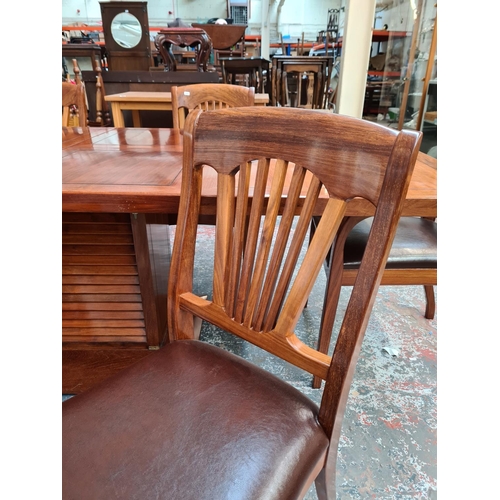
73,95
208,96
261,282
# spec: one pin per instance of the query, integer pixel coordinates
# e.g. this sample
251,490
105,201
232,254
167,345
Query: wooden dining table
120,191
152,101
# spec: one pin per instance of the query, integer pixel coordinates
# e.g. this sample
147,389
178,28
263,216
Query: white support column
356,49
265,22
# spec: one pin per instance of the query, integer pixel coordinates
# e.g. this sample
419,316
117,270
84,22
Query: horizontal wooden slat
110,332
91,260
99,270
103,323
100,280
106,338
101,306
98,250
397,277
114,289
96,228
95,218
97,239
100,315
68,297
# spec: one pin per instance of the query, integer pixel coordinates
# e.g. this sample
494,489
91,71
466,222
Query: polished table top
138,170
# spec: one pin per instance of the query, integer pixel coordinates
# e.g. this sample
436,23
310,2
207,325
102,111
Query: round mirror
126,30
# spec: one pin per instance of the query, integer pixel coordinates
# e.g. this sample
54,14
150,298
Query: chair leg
324,491
430,308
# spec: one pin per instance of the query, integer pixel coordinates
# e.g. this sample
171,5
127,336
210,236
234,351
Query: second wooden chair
207,96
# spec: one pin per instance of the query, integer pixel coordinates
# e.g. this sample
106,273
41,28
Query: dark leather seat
222,402
414,246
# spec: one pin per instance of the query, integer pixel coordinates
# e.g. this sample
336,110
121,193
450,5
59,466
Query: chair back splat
206,96
194,421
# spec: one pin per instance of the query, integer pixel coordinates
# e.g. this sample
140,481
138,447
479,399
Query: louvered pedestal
114,284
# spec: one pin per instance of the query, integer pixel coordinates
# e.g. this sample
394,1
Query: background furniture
87,55
190,385
136,102
228,40
287,75
74,108
253,72
208,96
183,37
126,33
119,82
98,115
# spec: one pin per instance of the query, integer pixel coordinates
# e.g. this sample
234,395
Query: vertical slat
266,239
311,266
281,241
238,238
253,232
293,253
223,232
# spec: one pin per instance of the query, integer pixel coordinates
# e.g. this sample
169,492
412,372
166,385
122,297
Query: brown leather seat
238,405
414,246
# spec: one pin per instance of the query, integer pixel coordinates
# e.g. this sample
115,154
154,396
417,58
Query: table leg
117,112
136,118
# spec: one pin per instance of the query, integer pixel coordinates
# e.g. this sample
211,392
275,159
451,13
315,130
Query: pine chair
193,421
207,96
73,94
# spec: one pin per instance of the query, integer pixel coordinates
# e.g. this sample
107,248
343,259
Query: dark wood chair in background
287,75
208,96
195,418
184,37
73,98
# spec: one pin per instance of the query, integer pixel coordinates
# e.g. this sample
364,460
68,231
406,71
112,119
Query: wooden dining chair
195,421
207,96
412,261
73,98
